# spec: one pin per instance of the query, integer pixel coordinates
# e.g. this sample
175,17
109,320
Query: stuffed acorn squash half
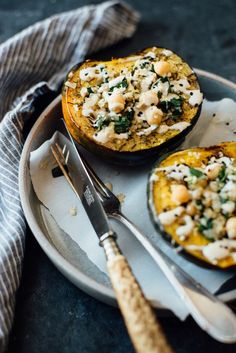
130,108
192,201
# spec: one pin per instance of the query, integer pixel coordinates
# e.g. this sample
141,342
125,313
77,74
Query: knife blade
84,188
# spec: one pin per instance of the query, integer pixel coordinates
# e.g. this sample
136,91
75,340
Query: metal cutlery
144,330
209,312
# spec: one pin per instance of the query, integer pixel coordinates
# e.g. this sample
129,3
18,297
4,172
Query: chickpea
213,170
153,115
162,68
231,227
148,98
116,102
180,194
191,209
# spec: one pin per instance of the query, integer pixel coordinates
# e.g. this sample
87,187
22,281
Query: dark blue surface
52,315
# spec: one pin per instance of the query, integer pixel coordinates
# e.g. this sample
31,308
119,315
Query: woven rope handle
144,330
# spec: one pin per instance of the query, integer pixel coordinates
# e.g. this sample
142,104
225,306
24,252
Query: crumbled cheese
168,217
230,190
177,172
90,73
147,81
228,207
181,85
87,111
73,211
162,88
83,92
89,104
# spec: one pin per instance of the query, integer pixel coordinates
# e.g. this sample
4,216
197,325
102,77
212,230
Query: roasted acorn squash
192,202
130,108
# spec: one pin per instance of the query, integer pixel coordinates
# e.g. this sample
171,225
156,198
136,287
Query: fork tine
101,188
59,157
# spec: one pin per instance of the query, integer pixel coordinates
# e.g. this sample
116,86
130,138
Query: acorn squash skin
116,156
195,256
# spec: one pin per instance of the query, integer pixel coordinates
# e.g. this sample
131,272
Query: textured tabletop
52,315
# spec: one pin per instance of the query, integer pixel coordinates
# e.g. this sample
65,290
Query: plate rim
86,283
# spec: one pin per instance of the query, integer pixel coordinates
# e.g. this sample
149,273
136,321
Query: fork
209,312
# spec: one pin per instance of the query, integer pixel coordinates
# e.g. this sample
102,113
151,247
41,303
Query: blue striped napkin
32,63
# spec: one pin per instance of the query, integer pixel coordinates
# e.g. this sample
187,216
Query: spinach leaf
196,172
205,225
123,122
101,122
144,65
172,107
222,174
89,90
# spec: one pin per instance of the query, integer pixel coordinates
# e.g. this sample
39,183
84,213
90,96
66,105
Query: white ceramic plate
59,247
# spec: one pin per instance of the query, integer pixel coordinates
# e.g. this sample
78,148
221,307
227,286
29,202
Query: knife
144,330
